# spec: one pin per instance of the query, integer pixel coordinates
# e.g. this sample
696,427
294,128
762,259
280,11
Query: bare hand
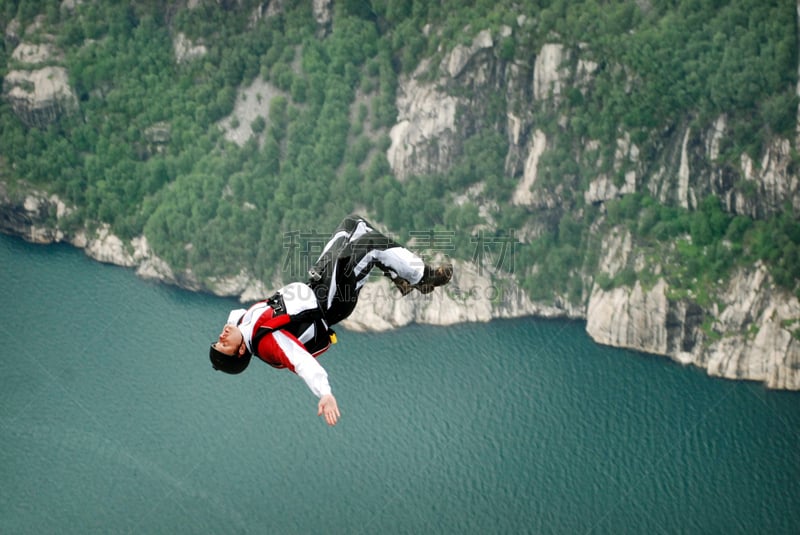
329,408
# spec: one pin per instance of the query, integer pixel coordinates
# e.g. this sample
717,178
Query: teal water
113,422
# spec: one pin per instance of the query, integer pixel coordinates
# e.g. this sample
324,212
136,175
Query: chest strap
278,321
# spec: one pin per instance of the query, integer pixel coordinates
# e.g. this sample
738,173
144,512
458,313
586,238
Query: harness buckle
276,303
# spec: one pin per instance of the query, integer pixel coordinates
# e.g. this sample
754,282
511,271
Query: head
229,353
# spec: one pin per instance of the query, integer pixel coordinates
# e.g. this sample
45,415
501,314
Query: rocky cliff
748,332
38,87
745,330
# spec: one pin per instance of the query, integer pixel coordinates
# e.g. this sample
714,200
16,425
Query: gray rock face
746,334
31,215
426,138
38,91
751,339
39,97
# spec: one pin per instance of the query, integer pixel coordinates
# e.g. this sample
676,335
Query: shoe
403,285
431,278
434,277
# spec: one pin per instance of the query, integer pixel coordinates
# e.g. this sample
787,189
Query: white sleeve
234,315
305,365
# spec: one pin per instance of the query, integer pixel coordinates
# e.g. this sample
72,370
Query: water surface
113,421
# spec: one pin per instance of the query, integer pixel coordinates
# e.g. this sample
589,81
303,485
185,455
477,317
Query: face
230,341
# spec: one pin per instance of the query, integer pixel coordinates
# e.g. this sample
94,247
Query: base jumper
293,327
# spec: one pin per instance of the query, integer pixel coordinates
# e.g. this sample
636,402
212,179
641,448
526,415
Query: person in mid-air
293,326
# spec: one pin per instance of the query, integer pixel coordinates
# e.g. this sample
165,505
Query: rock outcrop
40,96
748,333
423,138
31,214
38,89
185,50
751,338
474,295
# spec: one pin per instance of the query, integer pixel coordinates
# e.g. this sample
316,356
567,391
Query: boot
403,285
431,278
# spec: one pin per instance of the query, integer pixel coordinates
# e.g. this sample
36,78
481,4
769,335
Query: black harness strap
301,320
275,302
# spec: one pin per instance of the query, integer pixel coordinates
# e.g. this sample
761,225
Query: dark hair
232,364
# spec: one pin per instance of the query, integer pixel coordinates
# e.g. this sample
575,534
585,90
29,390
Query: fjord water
113,422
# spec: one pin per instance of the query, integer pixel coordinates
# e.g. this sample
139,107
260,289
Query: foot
403,285
431,278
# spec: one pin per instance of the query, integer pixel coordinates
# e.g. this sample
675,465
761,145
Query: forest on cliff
146,153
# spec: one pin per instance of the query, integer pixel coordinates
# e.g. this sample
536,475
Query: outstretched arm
329,409
312,373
